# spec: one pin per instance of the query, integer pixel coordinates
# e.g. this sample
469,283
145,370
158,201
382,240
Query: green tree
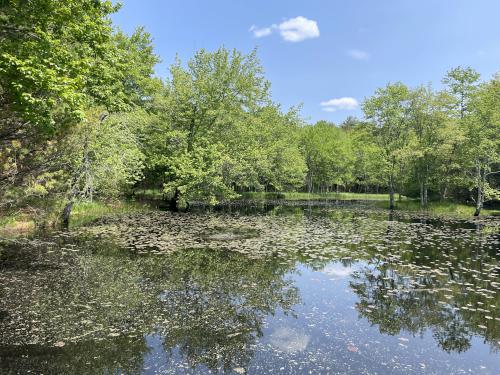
482,146
461,84
204,102
368,156
265,151
59,60
328,155
427,121
388,109
46,59
102,155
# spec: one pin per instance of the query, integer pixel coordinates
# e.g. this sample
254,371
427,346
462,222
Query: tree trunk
480,193
309,181
67,213
421,194
391,193
445,192
178,203
479,202
174,199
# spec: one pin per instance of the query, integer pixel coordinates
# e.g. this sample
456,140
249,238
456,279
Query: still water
274,289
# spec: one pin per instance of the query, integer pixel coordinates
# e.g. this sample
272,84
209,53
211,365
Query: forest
84,117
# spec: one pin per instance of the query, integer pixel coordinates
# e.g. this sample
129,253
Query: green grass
438,208
381,201
18,222
24,221
155,194
294,196
86,212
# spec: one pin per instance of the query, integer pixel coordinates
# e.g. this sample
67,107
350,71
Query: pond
292,289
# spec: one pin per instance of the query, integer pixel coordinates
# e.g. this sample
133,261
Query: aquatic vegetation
293,287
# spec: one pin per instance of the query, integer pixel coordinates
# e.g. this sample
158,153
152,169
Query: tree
461,84
59,61
482,146
388,108
427,120
265,151
329,156
368,156
204,101
48,49
102,156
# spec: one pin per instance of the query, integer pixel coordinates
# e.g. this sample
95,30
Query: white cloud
298,28
289,340
358,54
260,32
346,103
292,30
338,271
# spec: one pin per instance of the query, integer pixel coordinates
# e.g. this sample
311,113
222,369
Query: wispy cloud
345,103
358,54
260,32
292,30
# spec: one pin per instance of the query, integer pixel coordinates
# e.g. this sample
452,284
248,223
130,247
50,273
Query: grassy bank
381,201
292,196
25,221
439,208
86,212
296,196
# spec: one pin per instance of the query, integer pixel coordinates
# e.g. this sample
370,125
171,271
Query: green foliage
61,61
48,54
82,115
461,84
388,109
103,156
219,131
329,156
482,143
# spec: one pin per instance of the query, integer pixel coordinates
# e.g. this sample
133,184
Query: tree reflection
94,308
397,300
217,301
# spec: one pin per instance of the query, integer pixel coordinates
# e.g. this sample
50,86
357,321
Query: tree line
83,115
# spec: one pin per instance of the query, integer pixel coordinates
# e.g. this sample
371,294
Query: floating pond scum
293,290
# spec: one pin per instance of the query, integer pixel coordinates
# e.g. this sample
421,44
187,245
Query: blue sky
330,51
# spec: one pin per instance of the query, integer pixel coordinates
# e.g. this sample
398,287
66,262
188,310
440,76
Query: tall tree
368,156
204,102
48,55
461,84
388,109
482,146
427,121
59,60
329,156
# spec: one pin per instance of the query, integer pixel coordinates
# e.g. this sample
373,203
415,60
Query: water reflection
209,305
227,292
216,303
